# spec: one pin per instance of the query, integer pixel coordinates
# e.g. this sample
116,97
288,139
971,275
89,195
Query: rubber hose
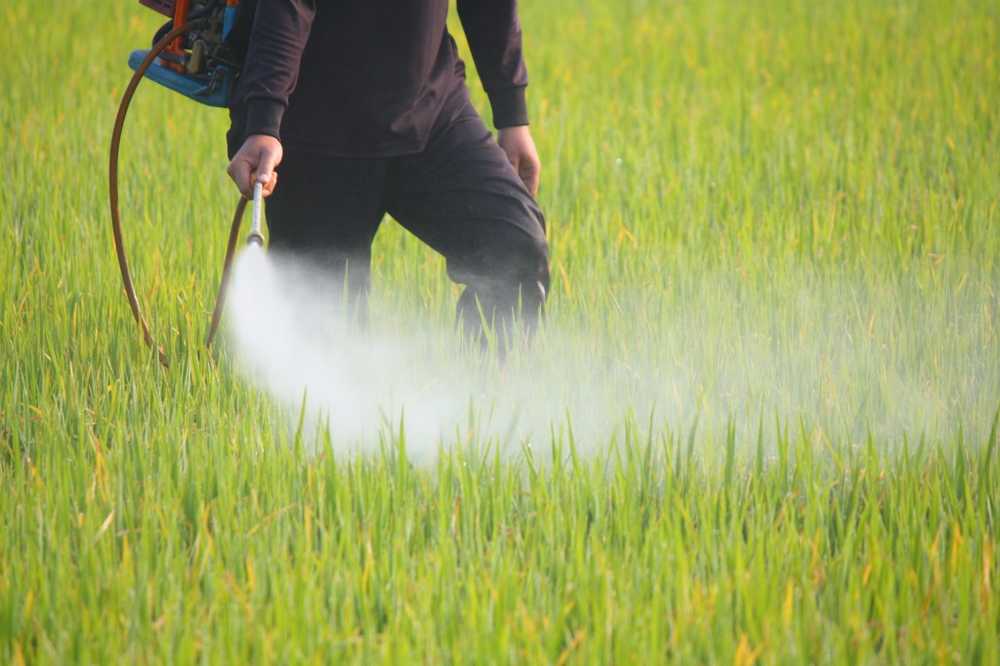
116,225
220,298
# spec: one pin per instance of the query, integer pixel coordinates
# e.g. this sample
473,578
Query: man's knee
529,260
518,269
517,277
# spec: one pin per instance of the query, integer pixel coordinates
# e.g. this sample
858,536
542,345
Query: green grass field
775,233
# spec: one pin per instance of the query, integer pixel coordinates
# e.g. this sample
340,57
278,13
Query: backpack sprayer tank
197,54
198,64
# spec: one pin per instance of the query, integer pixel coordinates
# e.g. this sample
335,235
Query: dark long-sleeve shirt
369,78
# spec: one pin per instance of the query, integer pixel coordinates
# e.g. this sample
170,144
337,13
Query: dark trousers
460,195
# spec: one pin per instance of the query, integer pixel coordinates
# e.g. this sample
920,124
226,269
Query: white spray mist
820,357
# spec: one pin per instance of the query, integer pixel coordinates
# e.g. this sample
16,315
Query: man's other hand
255,162
520,149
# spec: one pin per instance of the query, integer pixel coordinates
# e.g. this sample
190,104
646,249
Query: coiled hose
116,224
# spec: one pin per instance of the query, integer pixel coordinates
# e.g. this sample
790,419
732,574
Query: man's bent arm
494,35
271,68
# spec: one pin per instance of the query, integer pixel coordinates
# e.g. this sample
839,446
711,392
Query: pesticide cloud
291,340
840,355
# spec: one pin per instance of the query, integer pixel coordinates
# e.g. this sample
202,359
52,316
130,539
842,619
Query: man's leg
324,214
462,197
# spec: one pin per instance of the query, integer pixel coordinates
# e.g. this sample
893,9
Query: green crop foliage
775,235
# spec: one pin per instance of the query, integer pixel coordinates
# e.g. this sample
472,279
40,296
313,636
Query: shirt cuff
509,107
264,117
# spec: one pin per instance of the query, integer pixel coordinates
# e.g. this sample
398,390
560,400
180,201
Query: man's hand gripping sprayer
194,55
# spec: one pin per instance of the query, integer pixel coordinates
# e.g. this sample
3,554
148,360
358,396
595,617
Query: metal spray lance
255,237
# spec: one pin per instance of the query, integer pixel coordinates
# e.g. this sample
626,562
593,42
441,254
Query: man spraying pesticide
362,109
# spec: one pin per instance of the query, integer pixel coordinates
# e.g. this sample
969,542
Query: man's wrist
513,130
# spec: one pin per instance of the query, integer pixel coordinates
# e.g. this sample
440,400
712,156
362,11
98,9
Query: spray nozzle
255,237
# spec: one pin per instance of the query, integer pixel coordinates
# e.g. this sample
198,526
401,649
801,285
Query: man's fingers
270,185
525,170
265,168
254,163
530,173
265,173
521,152
239,171
267,186
531,182
514,162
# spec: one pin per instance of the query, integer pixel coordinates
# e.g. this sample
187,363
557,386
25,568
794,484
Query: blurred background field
760,411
